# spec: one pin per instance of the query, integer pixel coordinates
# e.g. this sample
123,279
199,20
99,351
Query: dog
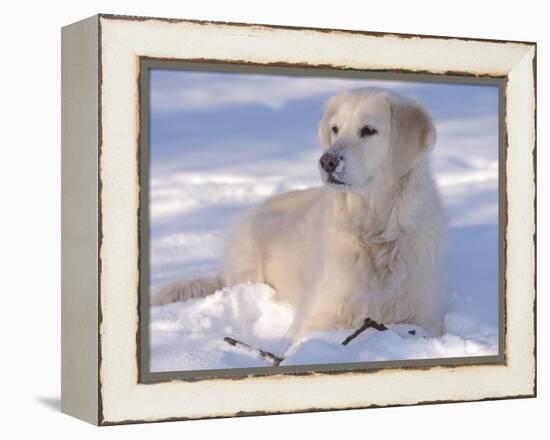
367,243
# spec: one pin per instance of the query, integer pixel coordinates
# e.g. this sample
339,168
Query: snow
199,186
189,335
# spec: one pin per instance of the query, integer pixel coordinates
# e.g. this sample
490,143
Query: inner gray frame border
146,64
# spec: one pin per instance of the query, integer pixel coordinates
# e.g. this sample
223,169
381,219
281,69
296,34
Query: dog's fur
367,243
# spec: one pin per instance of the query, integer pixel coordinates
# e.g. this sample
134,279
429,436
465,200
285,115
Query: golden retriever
368,243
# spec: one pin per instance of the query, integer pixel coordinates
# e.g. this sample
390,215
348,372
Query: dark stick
268,356
368,323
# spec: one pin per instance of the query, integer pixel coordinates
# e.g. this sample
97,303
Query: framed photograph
264,219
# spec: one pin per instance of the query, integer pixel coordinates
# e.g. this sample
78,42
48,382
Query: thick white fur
368,248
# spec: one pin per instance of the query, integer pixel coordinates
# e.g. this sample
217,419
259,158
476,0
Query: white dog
368,243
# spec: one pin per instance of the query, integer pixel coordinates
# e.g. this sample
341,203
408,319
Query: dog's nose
329,162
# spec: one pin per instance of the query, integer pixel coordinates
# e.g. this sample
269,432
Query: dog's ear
412,135
324,126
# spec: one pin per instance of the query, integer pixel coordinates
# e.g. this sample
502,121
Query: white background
30,217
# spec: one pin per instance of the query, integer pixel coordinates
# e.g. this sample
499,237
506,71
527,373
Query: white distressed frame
122,41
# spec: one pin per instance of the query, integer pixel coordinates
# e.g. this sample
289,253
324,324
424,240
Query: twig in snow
367,323
268,356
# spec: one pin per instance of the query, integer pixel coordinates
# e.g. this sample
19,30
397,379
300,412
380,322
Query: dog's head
369,136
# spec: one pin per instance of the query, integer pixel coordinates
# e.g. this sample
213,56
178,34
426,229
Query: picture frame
104,182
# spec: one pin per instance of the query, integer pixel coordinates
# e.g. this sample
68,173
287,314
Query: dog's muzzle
330,161
332,165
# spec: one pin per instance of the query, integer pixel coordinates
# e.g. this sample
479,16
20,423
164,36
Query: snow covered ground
227,146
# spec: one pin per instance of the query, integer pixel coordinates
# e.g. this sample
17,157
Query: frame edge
79,183
128,17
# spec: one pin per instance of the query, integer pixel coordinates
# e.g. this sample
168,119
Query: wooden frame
101,201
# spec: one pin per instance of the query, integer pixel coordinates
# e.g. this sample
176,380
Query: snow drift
189,335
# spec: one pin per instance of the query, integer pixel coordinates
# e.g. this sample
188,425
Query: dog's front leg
334,303
413,273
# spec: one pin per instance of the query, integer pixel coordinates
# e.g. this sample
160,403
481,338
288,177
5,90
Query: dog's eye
335,129
367,130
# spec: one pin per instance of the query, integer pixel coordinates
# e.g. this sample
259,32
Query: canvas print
310,220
